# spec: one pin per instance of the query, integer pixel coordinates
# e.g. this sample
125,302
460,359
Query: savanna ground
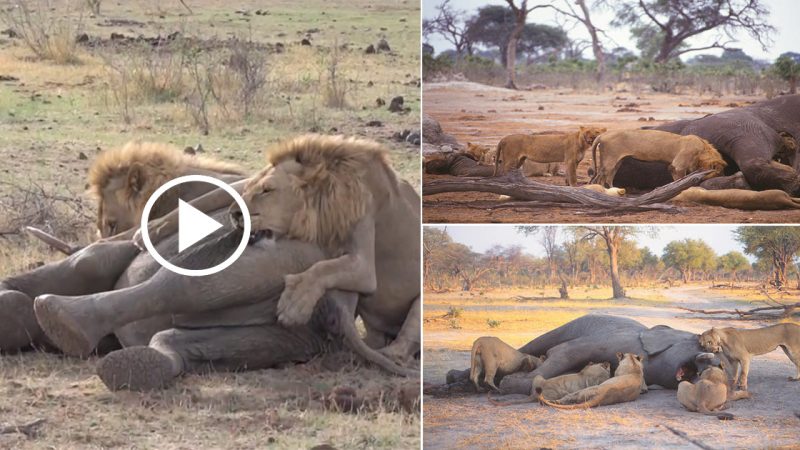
234,97
484,114
468,421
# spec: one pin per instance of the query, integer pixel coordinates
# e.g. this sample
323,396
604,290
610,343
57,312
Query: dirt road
484,114
766,420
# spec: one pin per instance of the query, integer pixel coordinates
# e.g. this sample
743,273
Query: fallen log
754,313
29,429
517,186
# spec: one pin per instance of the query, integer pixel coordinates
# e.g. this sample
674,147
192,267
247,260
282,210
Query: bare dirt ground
484,114
54,118
766,420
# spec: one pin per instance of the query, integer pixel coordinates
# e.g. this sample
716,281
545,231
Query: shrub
48,28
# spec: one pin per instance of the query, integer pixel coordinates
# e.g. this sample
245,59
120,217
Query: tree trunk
616,286
597,48
466,284
511,55
793,85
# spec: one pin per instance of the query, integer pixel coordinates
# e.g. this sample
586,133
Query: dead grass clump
336,86
34,205
47,27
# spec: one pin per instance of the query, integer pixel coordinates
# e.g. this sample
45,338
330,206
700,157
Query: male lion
710,394
515,149
740,345
342,194
625,386
685,154
123,179
491,356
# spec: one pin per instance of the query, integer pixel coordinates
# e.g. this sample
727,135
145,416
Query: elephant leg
406,345
762,173
93,269
75,324
18,326
176,351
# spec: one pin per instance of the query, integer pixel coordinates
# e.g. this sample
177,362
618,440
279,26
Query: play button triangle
193,225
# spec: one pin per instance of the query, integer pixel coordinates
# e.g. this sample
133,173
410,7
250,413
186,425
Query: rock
432,133
380,102
540,108
396,104
413,138
82,156
117,36
370,83
189,151
81,38
8,78
370,49
305,41
383,46
374,123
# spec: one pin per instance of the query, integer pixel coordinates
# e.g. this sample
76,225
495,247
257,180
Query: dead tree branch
532,193
53,241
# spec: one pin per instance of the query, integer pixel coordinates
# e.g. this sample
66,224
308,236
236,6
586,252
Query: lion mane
332,184
710,159
157,162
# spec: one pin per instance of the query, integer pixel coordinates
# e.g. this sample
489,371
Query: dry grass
47,27
221,410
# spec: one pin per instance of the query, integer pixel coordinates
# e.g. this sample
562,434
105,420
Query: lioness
491,356
625,386
515,149
486,155
614,192
685,154
740,345
563,385
710,394
771,199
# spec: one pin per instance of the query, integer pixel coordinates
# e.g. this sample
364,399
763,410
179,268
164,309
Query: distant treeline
603,255
496,44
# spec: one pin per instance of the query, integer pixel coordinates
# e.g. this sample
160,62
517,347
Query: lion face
711,341
589,134
706,158
477,151
120,203
274,201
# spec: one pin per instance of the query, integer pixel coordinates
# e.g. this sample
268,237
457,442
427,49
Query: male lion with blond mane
120,180
740,345
515,149
123,179
685,154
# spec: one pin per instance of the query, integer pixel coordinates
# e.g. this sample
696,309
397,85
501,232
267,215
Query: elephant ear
659,338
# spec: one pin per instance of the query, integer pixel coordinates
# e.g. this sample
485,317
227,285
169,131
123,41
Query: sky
482,237
783,16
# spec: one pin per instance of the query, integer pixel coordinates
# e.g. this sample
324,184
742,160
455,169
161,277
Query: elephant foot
136,369
17,321
68,323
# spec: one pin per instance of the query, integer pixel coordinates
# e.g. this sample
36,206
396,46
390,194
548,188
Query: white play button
193,225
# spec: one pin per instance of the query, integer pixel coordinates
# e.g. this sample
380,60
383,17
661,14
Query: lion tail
595,147
497,157
585,405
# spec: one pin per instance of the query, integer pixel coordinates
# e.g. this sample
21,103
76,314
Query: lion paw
298,300
395,354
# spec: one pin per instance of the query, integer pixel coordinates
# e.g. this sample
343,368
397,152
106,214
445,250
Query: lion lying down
559,387
710,394
625,386
772,199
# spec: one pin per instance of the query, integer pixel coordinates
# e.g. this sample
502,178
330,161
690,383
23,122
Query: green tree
788,69
689,256
733,262
779,245
612,237
667,25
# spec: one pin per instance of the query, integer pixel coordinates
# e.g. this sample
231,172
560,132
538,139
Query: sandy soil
766,420
484,114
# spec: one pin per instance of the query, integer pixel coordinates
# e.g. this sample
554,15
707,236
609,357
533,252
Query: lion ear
620,356
136,177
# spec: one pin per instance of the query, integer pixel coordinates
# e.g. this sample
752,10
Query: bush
493,323
48,28
454,312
